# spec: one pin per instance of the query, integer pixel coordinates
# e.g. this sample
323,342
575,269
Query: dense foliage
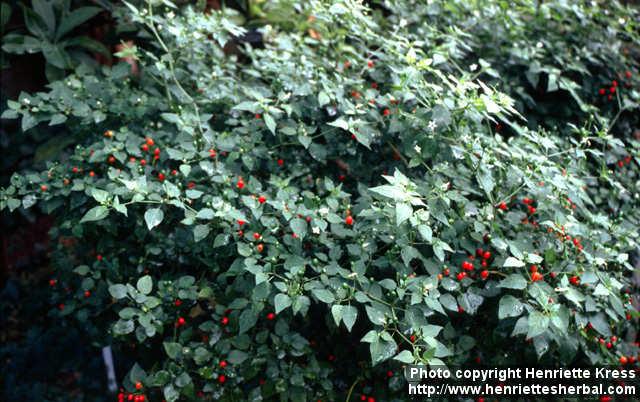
432,182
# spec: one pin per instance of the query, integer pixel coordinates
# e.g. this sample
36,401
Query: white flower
417,148
432,125
323,210
621,21
539,45
315,230
473,67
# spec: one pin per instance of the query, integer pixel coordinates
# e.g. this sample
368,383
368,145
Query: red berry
623,360
75,169
181,321
150,141
280,162
99,257
612,90
177,303
161,176
536,276
614,83
222,378
262,199
87,293
52,282
212,153
486,255
371,399
43,187
138,386
111,160
156,151
256,236
609,345
534,268
526,201
145,147
363,397
461,275
602,91
484,274
502,206
614,339
484,263
479,252
349,220
386,112
446,271
271,316
370,63
225,320
258,116
143,162
240,184
574,280
174,172
223,363
412,338
241,222
374,85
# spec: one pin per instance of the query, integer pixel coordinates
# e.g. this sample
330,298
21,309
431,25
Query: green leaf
403,212
99,195
382,350
375,315
153,217
200,232
538,324
349,316
118,291
485,179
336,312
323,295
323,98
123,327
513,262
44,9
405,357
281,302
513,281
299,227
75,18
173,349
247,320
89,44
426,233
509,307
145,285
271,124
237,357
95,214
